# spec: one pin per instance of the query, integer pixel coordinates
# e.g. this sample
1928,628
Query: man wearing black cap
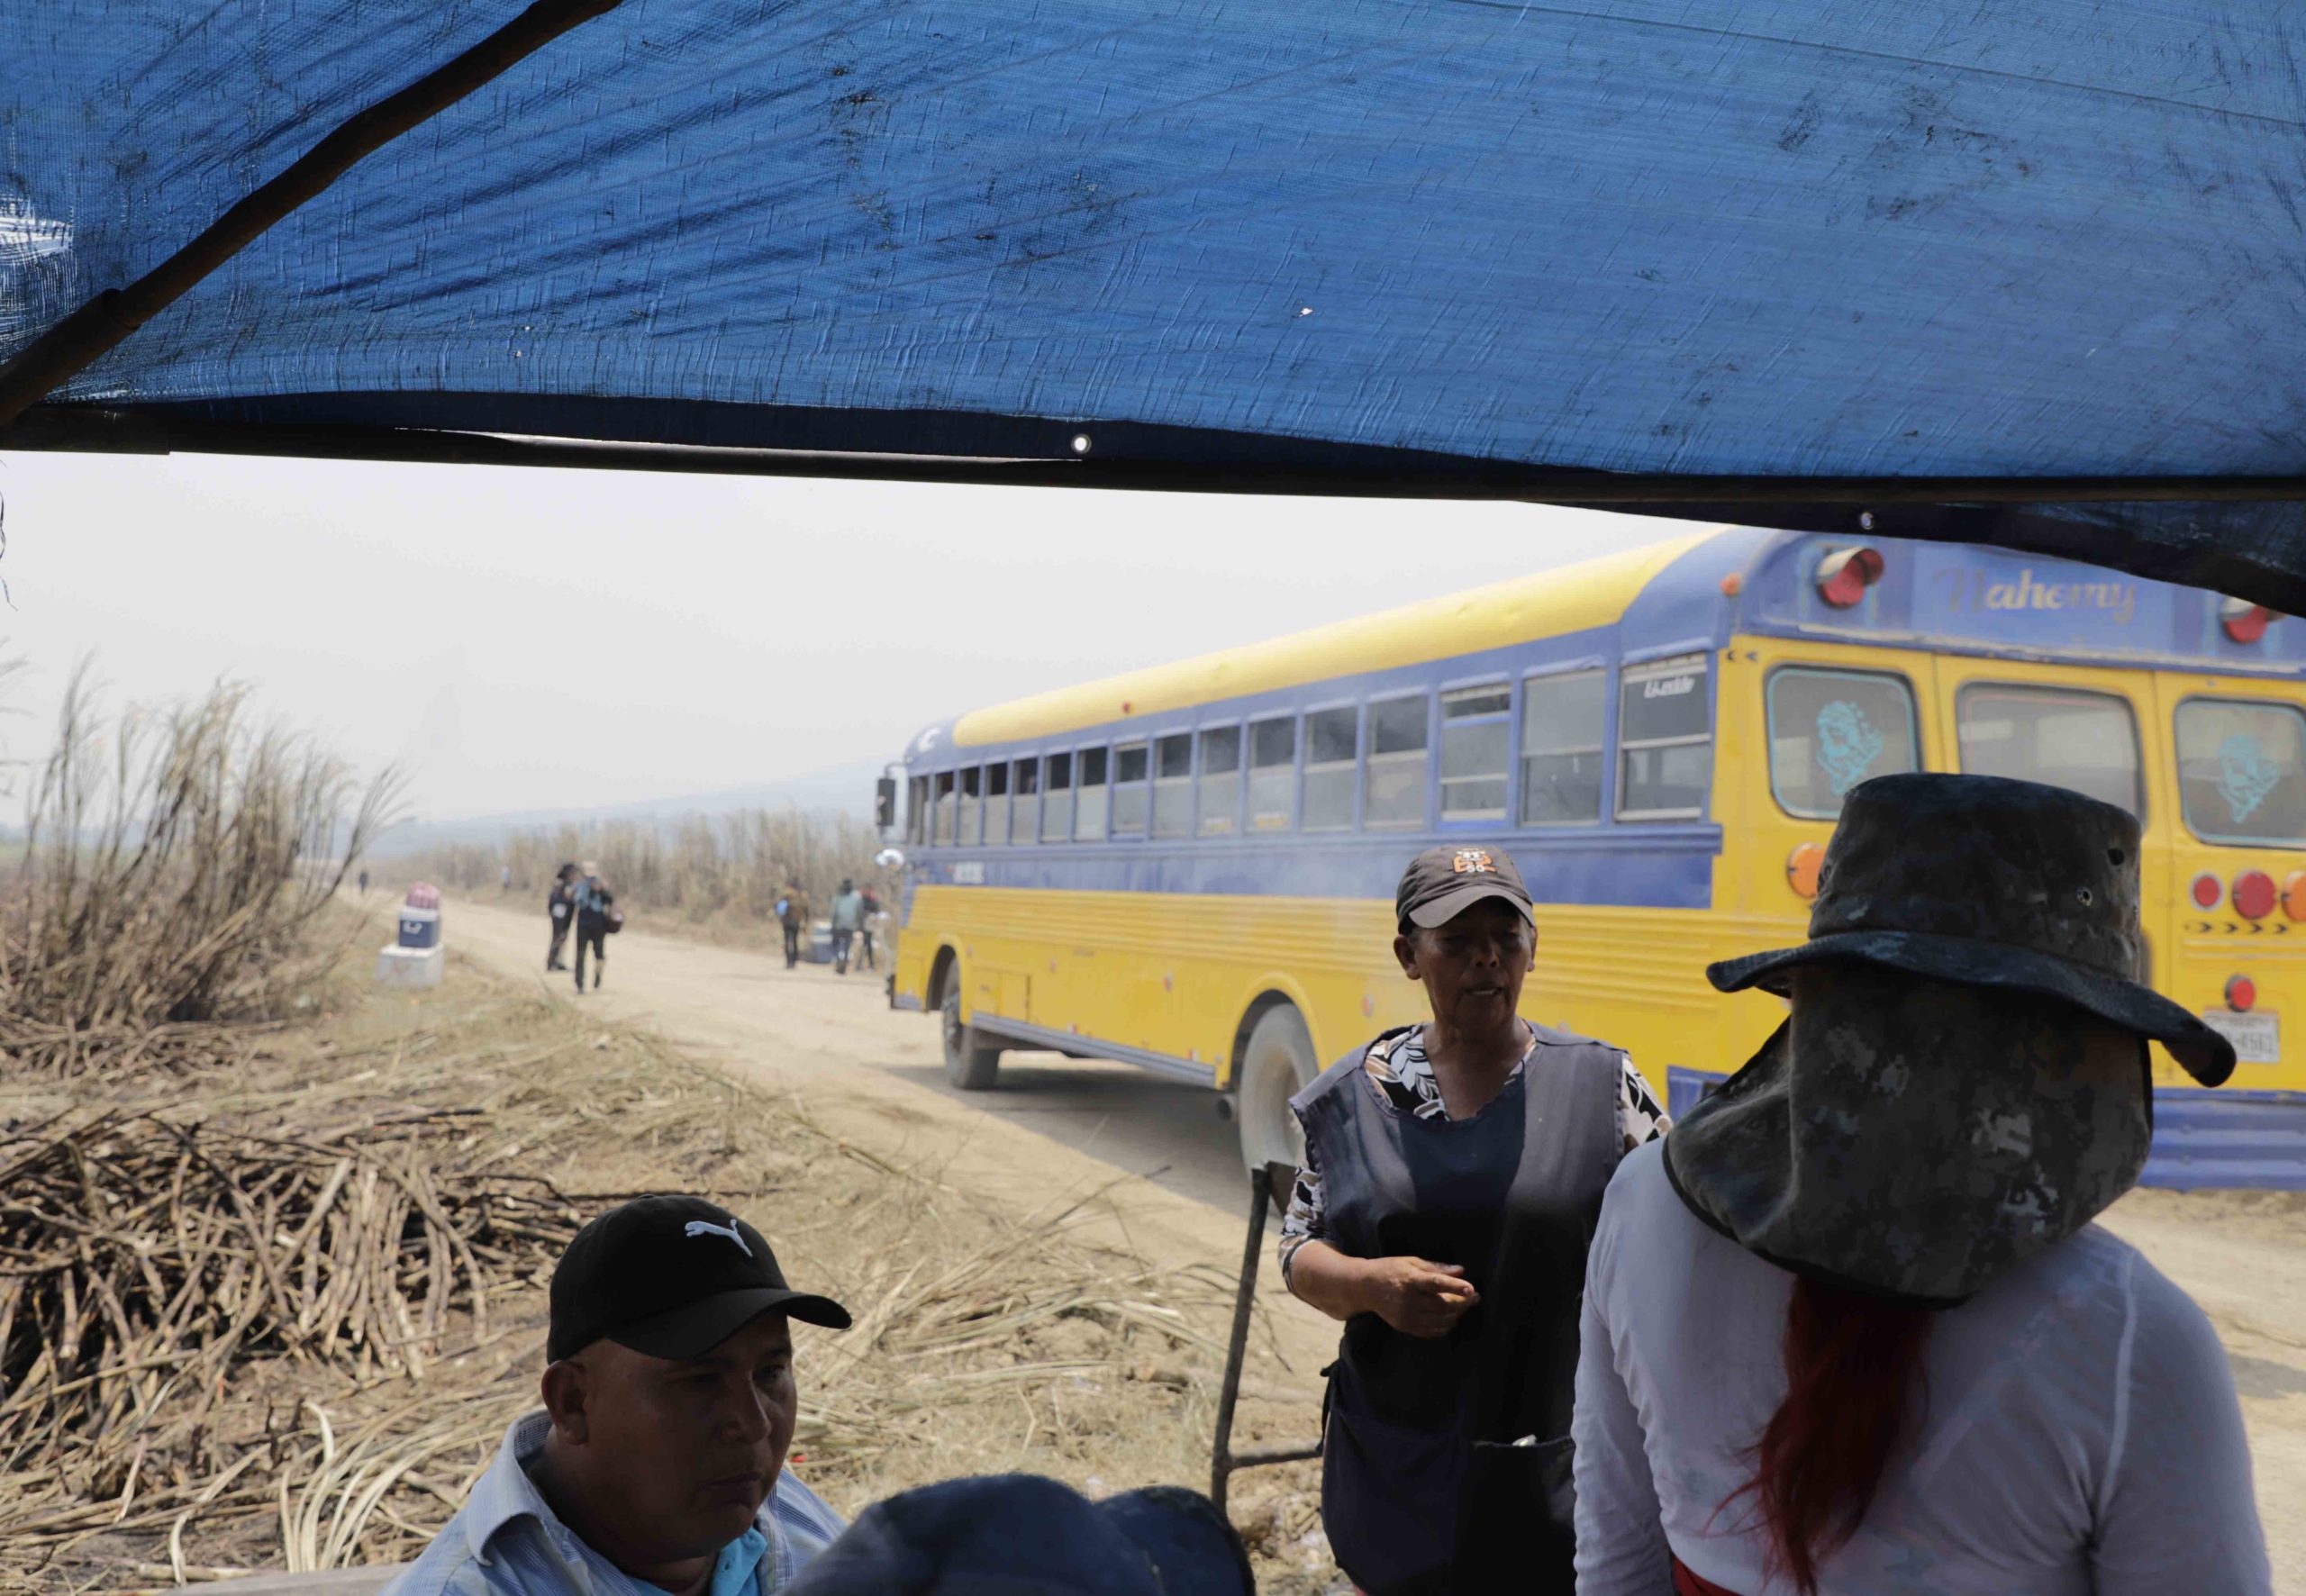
658,1460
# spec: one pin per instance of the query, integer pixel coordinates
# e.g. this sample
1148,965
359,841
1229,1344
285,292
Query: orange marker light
1802,867
2294,895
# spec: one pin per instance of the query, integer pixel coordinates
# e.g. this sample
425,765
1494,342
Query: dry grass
173,860
722,872
286,1325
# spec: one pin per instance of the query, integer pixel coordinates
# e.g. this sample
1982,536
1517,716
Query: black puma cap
673,1277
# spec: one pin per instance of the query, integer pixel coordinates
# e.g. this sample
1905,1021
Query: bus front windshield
2242,771
2087,741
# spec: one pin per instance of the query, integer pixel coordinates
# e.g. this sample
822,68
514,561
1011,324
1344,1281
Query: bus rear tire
1277,1065
971,1063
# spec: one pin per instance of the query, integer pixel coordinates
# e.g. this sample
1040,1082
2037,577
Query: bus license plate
2256,1039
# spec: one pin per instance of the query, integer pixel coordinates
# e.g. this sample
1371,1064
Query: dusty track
1170,1180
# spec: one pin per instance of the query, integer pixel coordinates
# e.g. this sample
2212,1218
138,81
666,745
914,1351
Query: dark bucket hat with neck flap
1929,1118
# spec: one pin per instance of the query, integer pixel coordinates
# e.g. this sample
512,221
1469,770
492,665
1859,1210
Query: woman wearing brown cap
1850,1329
1453,1174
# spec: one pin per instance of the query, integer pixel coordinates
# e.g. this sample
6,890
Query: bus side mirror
885,802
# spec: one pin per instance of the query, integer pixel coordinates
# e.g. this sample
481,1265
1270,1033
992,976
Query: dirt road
1171,1181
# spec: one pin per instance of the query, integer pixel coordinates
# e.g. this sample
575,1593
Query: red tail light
2254,894
1845,575
2241,993
2208,890
2244,621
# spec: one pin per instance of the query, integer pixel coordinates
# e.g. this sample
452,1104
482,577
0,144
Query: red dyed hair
1852,1369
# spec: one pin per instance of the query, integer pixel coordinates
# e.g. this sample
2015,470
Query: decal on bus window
2246,776
1848,744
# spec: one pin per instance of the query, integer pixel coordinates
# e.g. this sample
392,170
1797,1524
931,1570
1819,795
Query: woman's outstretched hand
1418,1298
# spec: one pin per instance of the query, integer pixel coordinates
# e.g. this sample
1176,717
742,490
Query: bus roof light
1845,575
2241,993
2208,890
2254,894
2245,621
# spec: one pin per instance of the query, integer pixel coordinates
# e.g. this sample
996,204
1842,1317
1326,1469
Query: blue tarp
1843,238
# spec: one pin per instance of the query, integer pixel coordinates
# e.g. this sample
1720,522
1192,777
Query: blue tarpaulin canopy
1861,251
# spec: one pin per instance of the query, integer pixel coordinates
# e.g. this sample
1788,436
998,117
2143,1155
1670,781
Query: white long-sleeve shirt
2081,1435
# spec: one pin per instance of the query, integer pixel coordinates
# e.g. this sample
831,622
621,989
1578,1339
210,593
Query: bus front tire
971,1063
1275,1065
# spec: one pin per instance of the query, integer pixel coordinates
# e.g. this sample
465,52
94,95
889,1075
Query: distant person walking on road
873,918
594,901
505,880
560,904
364,881
848,919
792,913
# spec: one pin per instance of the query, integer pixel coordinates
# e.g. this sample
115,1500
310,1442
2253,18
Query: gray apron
1422,1487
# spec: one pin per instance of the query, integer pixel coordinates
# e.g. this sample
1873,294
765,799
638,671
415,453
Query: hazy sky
528,639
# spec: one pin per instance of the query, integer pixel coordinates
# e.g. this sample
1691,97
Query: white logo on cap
707,1227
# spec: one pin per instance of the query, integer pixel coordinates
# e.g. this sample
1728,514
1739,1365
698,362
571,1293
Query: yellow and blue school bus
1190,867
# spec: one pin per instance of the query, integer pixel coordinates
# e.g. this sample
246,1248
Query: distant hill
844,790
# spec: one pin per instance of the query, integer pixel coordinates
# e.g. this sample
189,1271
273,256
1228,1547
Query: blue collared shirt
506,1541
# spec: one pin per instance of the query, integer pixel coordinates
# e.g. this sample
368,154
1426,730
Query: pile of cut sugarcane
144,1260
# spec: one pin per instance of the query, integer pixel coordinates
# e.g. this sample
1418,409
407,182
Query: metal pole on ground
1224,1461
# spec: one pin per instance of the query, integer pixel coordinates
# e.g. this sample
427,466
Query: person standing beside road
848,919
594,900
1850,1329
560,904
873,922
792,913
364,881
1453,1174
657,1462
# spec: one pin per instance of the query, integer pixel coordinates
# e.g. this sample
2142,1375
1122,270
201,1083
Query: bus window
1396,794
1057,798
1473,752
1089,797
1332,747
1664,740
1024,808
965,831
2085,741
996,805
943,811
916,814
2242,771
1561,749
1273,775
1173,785
1128,789
1220,780
1830,729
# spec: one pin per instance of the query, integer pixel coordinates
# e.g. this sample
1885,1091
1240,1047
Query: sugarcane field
969,798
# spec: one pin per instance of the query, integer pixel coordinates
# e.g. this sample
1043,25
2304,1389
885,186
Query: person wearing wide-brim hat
1454,1171
1849,1330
